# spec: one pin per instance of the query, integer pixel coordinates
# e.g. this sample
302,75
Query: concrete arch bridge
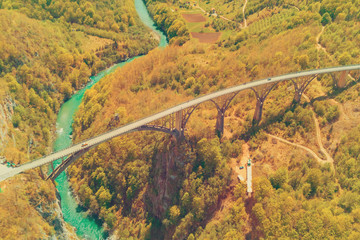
176,117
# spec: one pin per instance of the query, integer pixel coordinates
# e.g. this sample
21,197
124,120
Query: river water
86,227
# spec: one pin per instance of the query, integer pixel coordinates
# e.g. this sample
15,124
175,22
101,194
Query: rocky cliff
6,111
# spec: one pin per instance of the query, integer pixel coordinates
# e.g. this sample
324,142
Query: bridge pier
297,96
178,121
258,111
340,81
261,96
220,120
300,85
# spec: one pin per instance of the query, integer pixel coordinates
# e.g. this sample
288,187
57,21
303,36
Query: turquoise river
86,227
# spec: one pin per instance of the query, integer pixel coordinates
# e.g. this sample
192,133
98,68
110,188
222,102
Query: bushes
231,149
346,160
298,120
328,112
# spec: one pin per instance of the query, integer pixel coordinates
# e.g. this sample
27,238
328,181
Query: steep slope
158,188
41,64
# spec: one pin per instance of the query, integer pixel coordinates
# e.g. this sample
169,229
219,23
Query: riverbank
87,227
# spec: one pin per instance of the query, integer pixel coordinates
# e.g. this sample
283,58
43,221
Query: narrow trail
294,7
243,10
318,134
319,140
328,159
320,47
226,18
343,115
201,8
245,153
299,146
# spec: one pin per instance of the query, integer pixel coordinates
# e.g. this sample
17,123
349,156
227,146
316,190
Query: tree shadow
336,92
255,128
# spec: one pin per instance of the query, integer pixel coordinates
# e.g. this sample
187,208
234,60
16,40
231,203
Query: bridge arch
79,147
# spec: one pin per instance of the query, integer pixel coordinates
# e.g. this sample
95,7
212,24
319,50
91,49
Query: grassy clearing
93,43
226,34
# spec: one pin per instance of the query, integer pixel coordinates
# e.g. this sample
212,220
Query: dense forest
48,50
151,185
188,189
169,21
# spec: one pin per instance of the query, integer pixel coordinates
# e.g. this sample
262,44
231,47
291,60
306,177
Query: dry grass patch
206,37
194,17
93,43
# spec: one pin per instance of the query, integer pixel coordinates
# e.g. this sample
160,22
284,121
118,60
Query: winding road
134,125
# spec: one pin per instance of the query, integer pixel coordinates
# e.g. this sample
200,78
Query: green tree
183,229
186,201
304,61
314,179
263,189
115,27
279,178
326,19
210,154
174,213
349,201
103,196
85,193
345,58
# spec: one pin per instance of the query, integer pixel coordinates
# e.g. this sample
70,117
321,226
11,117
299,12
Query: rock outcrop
6,111
167,172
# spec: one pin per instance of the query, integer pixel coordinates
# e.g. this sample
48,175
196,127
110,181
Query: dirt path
226,18
294,7
319,140
201,8
299,146
343,115
227,201
318,134
320,47
245,153
243,10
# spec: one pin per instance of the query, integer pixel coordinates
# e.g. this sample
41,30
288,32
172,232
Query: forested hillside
150,186
48,50
169,21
